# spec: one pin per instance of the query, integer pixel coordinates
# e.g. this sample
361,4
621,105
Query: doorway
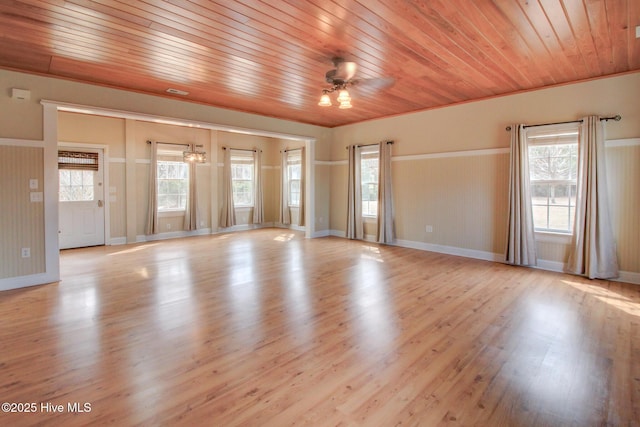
81,197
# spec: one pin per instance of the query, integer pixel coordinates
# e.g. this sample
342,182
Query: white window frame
243,160
554,135
294,160
369,153
184,167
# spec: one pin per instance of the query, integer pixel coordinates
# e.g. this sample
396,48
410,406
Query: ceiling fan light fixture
345,104
325,101
343,96
194,156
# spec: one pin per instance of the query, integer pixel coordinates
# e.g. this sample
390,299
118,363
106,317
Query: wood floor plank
266,328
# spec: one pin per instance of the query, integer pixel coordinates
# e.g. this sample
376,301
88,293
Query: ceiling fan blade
370,86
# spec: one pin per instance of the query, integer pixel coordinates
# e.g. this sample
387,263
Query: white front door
81,201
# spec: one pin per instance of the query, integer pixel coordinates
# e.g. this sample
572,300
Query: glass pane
173,184
65,194
243,193
294,171
65,177
540,217
162,170
162,202
76,177
172,201
369,208
87,178
539,194
552,162
559,218
87,193
559,195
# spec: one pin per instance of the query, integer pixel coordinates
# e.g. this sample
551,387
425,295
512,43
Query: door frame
105,180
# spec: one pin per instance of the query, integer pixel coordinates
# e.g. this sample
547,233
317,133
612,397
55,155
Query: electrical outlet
429,229
26,252
168,226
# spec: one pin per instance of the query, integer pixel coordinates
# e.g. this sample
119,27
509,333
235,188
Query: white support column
130,180
309,190
213,160
52,251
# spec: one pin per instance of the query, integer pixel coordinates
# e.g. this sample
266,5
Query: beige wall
463,196
623,167
21,220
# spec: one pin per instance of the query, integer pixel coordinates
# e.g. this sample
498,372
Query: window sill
369,218
550,237
170,214
243,208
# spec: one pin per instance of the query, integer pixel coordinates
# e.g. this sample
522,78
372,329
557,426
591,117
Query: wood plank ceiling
270,57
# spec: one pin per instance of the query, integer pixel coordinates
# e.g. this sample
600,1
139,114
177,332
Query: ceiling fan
342,77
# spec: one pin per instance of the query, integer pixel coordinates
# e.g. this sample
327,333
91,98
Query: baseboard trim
172,235
322,233
628,277
555,266
450,250
26,281
115,241
245,227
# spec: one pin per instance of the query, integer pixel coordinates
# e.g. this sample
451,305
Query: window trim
167,212
535,137
294,157
243,158
373,150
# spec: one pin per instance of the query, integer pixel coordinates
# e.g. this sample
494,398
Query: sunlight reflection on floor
134,249
605,295
371,252
284,237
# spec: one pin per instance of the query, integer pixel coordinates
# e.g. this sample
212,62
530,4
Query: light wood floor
266,328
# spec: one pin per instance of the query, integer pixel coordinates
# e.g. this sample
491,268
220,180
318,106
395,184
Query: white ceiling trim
122,114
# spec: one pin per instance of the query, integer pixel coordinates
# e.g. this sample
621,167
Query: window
369,181
553,177
76,185
294,172
76,172
242,179
173,185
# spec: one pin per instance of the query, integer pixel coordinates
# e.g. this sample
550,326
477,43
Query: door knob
100,204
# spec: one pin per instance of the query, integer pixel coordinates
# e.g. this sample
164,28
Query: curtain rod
368,145
291,149
617,118
241,149
174,143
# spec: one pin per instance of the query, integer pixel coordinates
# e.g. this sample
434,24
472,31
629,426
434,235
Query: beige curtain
191,211
521,245
228,213
385,232
258,205
593,249
355,226
303,169
152,212
285,215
